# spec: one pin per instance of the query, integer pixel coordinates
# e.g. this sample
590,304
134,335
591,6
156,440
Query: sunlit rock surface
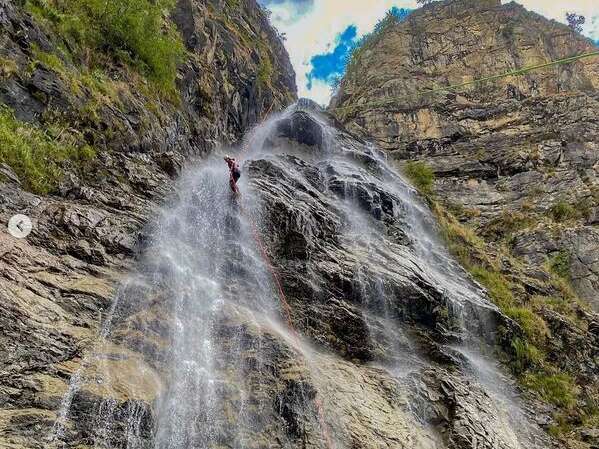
517,144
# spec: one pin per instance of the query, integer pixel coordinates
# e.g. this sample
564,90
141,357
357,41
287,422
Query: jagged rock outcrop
58,285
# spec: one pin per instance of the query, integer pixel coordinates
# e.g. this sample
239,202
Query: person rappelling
234,172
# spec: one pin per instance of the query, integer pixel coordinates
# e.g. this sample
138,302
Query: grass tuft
559,389
562,211
527,356
265,71
560,264
421,175
8,67
35,157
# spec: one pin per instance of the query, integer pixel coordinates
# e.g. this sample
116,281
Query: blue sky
328,65
321,33
331,64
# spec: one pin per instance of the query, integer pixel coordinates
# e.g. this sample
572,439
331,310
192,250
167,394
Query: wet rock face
302,129
345,254
518,144
374,365
58,285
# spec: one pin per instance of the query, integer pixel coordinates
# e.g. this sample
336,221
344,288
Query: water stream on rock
187,349
468,305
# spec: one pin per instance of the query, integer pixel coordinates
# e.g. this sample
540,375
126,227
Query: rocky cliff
510,165
321,308
128,139
527,141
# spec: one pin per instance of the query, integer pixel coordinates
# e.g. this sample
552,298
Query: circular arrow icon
20,226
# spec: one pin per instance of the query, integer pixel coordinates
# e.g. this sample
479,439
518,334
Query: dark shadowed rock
302,129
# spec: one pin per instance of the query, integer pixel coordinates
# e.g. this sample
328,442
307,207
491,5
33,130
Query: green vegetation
421,175
526,356
559,389
49,60
265,71
560,264
498,272
100,90
36,158
507,224
131,32
461,212
562,211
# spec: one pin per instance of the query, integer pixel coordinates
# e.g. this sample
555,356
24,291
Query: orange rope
287,310
282,296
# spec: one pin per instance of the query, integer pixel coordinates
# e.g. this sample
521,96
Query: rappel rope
287,312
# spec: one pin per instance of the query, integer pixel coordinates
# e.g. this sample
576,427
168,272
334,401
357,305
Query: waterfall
195,347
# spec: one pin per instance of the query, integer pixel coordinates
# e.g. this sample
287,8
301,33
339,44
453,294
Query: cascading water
187,356
202,263
470,309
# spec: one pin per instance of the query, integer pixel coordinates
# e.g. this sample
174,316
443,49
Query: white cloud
592,27
320,92
314,33
557,10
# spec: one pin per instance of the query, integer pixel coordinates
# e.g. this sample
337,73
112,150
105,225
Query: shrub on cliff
35,156
562,211
421,175
134,32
